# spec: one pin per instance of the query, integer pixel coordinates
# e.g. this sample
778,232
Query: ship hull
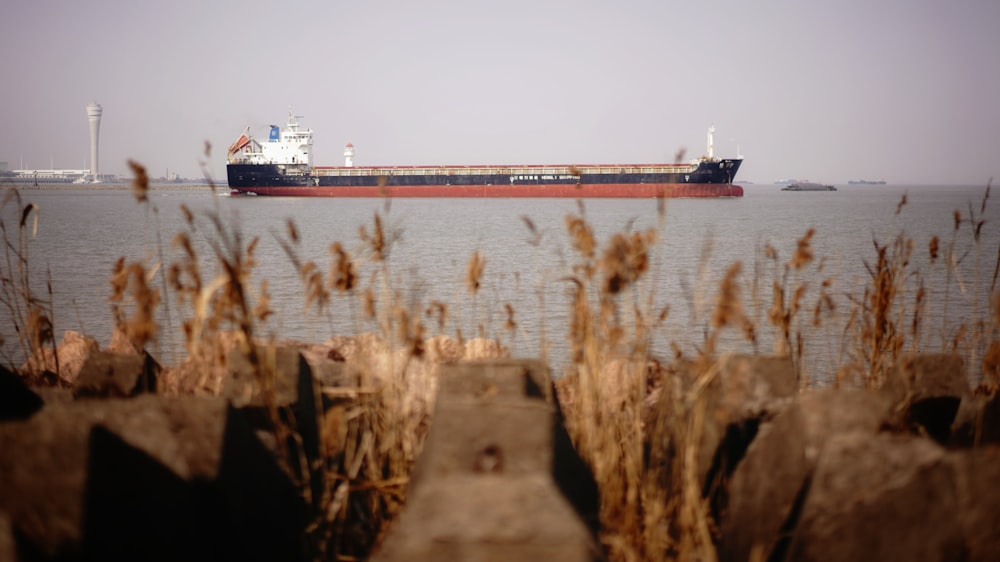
527,191
712,179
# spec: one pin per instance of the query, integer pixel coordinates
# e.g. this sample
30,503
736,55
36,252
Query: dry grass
31,313
644,460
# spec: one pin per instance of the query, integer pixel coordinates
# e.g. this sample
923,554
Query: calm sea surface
81,234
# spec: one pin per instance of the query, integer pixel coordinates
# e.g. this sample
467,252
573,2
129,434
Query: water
81,234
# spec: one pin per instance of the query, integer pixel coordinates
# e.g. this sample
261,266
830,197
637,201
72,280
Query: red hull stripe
630,190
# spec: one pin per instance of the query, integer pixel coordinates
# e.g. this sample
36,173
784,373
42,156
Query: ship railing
345,171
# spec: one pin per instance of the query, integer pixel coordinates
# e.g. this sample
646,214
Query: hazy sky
905,90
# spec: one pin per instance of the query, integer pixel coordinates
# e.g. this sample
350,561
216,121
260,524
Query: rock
17,401
930,388
72,353
976,474
483,487
770,483
106,374
122,344
883,497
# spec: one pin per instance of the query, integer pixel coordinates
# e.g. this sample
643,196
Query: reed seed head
474,272
369,302
803,252
140,181
581,235
343,274
440,310
728,307
293,232
262,311
188,216
376,241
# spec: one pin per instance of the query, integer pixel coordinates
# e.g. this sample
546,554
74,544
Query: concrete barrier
484,486
146,478
17,401
281,389
929,388
116,375
770,483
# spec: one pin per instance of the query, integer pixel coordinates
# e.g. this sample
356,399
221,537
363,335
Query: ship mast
711,142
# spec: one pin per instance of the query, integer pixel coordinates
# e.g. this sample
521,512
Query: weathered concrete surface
883,497
730,399
8,546
483,488
928,388
771,481
281,390
116,375
17,401
74,475
976,474
977,422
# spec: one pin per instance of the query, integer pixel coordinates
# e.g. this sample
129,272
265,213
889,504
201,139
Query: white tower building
349,155
94,111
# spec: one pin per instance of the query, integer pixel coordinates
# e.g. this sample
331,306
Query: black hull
274,176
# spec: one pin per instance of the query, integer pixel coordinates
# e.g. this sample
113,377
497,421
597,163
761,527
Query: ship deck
517,170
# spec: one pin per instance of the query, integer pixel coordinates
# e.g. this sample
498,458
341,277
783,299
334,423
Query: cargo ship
282,165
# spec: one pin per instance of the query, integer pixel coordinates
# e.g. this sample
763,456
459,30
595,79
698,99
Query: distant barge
808,186
282,166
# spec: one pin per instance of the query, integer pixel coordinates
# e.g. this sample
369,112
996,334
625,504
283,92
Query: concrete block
17,401
8,545
483,487
735,396
977,422
280,389
977,472
114,375
116,477
882,497
930,387
769,484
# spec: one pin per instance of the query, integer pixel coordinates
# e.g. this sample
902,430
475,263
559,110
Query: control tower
94,118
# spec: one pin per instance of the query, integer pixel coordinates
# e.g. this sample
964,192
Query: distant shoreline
110,186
